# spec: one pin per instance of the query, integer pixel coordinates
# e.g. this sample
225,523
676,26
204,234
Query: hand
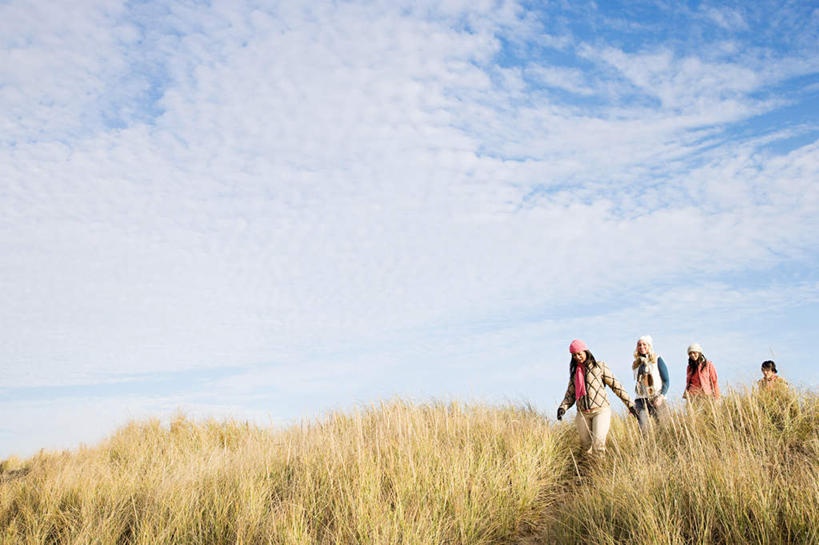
658,401
560,412
634,412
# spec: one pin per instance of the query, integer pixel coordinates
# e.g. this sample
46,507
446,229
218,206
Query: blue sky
268,211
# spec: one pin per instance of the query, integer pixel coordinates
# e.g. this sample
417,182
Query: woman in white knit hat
701,375
651,381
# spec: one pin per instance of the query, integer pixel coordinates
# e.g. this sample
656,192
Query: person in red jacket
701,375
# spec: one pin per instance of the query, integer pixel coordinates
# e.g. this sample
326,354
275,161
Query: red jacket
708,380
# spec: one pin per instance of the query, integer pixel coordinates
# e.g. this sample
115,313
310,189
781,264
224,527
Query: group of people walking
588,379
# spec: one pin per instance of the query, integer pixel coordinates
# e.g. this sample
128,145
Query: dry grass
745,470
396,473
741,470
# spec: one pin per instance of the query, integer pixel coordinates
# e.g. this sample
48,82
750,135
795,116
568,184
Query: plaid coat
598,375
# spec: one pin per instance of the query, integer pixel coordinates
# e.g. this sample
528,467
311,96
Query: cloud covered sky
271,210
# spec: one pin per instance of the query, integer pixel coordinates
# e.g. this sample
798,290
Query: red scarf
579,381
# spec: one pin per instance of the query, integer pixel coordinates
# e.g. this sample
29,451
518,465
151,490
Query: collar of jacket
587,363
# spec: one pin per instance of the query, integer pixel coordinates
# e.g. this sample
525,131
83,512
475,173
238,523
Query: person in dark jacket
588,379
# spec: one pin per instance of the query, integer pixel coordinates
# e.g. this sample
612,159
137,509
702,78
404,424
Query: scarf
579,381
644,360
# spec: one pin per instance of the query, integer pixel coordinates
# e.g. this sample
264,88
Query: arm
713,373
568,399
687,382
614,384
663,375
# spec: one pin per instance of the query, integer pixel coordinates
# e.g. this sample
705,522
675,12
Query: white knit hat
695,348
647,339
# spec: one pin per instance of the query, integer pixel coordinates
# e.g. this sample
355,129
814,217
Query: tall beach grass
742,470
393,473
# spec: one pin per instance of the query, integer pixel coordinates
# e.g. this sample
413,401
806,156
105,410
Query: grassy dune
745,470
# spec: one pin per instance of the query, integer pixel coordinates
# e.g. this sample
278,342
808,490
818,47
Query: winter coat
597,376
659,376
774,382
708,380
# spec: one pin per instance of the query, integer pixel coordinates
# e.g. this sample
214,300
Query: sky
266,211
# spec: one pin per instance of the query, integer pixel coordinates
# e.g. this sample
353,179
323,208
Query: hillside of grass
742,470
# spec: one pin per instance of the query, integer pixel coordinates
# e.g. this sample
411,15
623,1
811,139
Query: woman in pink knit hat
588,379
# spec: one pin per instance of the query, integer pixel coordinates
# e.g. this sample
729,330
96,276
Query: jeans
645,409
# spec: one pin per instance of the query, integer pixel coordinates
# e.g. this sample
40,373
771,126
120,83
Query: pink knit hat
577,346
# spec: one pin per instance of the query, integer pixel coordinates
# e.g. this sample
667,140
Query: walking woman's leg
661,413
600,429
583,430
643,412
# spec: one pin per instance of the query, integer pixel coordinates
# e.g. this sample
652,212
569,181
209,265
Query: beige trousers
593,428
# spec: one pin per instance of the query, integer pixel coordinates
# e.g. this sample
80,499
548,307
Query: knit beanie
648,340
694,348
577,346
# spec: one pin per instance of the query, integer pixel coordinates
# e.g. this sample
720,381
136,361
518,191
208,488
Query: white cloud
568,79
320,193
727,18
57,68
690,86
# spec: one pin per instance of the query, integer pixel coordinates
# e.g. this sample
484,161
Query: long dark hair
589,361
769,364
692,364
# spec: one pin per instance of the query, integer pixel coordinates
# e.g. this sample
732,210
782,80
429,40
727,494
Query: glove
560,412
634,412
